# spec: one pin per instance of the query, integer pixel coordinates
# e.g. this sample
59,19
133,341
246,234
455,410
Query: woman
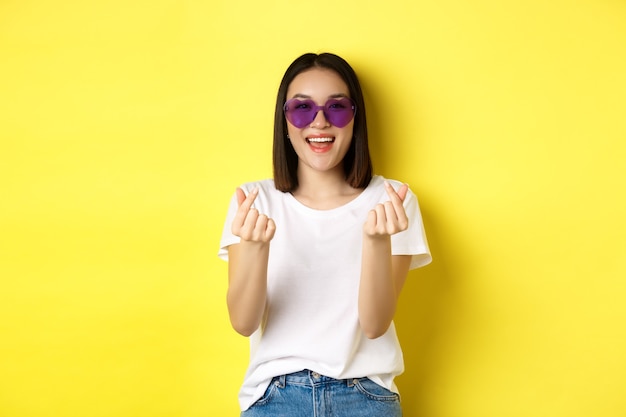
318,257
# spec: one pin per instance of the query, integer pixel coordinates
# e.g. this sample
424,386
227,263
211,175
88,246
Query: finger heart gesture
248,224
388,218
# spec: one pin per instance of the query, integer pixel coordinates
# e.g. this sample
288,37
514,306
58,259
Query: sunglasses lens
300,113
339,112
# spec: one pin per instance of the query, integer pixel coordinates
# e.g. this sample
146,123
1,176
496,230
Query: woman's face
320,145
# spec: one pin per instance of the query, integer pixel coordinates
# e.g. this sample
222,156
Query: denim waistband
310,378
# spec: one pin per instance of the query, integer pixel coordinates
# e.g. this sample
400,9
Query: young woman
318,257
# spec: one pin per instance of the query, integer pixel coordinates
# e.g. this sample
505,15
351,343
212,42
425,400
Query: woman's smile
320,143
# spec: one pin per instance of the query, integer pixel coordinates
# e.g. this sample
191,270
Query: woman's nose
320,120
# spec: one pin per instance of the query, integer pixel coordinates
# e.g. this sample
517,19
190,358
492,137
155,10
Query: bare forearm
247,286
382,275
377,291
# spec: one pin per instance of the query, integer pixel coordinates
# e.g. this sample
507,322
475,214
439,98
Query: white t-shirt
312,289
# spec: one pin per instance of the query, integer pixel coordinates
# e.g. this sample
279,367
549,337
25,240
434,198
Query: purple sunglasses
338,111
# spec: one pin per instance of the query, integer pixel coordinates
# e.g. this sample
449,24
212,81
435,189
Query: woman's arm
382,278
247,265
382,274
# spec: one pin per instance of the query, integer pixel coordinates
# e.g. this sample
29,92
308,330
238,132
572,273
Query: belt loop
282,381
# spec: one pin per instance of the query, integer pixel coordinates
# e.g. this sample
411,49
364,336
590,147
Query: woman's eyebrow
337,95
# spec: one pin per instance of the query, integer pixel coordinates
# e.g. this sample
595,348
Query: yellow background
125,127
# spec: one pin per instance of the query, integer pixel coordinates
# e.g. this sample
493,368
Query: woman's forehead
317,83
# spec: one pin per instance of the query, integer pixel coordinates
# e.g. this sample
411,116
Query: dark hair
357,162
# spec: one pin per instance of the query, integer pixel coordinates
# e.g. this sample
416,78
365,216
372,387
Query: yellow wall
125,127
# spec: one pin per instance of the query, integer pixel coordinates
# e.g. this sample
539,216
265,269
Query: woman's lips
320,143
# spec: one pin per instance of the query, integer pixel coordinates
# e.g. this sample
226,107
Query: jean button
315,375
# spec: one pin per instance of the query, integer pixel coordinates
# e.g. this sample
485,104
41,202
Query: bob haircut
357,162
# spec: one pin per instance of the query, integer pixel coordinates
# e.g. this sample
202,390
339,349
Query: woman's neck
324,190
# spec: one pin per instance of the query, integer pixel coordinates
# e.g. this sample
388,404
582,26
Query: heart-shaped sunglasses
338,111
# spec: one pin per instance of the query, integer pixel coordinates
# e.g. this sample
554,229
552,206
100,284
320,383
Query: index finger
246,202
400,194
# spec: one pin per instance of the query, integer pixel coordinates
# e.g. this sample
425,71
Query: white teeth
320,140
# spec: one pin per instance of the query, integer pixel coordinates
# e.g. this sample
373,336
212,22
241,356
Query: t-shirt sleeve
227,236
413,240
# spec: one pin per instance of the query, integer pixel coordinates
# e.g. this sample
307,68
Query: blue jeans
309,394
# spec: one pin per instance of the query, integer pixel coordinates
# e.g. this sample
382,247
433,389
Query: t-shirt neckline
293,201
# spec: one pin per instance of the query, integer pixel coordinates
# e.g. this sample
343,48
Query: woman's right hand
248,224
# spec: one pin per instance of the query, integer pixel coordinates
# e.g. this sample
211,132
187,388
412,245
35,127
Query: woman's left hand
388,218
